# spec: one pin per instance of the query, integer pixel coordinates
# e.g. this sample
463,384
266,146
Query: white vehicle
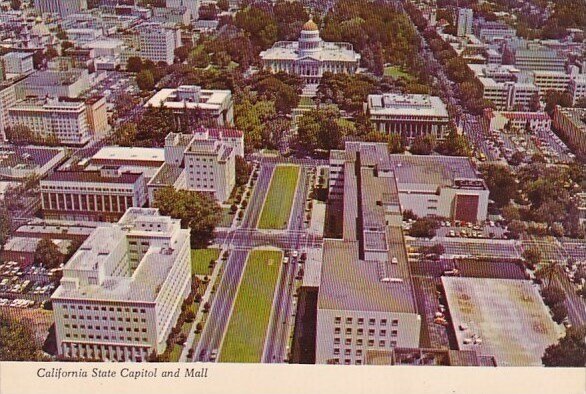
285,260
294,253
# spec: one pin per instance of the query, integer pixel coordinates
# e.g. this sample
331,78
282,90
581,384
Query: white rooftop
130,153
406,104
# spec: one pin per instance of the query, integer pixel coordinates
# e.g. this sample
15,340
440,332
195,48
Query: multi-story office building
196,106
464,19
191,5
547,80
97,115
409,115
571,124
202,161
61,7
102,195
492,31
539,58
157,42
310,57
7,100
65,120
18,62
365,300
577,87
121,292
70,83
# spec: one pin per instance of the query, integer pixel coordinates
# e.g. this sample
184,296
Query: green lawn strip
396,72
247,329
200,260
277,207
175,353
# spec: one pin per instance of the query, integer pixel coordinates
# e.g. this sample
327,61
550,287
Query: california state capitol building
310,56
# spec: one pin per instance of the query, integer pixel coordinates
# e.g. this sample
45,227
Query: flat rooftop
348,283
208,99
119,153
508,315
431,170
27,157
390,104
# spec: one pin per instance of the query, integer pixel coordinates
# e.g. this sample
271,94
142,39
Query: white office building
18,62
7,100
66,120
409,115
365,302
577,87
464,22
195,105
157,42
310,57
121,292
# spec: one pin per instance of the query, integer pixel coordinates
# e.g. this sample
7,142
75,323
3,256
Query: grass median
277,206
247,329
200,260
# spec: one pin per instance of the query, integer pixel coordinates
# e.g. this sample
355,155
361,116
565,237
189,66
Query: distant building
65,120
464,20
22,249
195,105
492,31
365,299
191,5
547,80
121,292
7,100
571,124
102,195
19,162
577,87
518,120
97,115
409,115
310,57
71,83
61,7
157,42
18,62
539,58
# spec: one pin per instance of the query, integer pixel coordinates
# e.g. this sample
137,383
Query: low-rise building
408,115
19,162
195,106
70,83
121,292
577,87
102,195
518,120
571,124
365,299
547,80
489,31
539,58
442,186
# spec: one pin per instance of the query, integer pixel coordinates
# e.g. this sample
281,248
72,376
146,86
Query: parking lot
24,287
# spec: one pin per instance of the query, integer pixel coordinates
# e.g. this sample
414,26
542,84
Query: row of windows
360,342
105,337
98,328
371,322
360,331
112,318
103,308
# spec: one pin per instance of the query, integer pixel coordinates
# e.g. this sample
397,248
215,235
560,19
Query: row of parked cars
16,303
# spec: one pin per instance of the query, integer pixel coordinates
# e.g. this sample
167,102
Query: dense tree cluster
570,351
348,92
323,129
17,340
378,31
198,211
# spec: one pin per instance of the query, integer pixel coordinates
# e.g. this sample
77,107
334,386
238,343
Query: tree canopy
570,351
17,341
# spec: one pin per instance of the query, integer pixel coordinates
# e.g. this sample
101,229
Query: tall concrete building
464,19
7,100
157,42
121,292
61,7
191,5
366,302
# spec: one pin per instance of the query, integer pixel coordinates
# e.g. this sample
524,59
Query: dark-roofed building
365,299
17,162
102,195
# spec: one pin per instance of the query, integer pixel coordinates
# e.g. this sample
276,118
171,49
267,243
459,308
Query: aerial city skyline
330,182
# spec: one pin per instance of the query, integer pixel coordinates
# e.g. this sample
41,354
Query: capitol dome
310,26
